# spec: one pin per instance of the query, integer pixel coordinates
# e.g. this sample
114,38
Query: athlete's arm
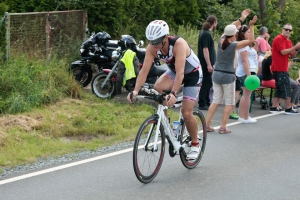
141,79
180,53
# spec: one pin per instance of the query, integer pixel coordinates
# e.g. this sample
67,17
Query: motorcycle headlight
114,55
81,50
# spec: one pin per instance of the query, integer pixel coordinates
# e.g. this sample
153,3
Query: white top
252,60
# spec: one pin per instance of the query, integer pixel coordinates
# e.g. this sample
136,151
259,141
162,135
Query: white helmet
157,30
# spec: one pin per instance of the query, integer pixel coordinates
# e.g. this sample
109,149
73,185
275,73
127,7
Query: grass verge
68,126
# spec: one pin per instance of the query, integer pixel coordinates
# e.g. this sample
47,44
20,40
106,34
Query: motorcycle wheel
82,75
109,89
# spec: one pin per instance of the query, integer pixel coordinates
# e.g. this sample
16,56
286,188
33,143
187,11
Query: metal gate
39,33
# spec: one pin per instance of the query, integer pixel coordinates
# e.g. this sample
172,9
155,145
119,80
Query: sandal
223,130
209,128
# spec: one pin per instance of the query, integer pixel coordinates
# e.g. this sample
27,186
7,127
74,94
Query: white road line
64,166
93,159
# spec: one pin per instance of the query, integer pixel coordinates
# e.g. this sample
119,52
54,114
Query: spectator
267,80
282,48
207,57
223,76
262,41
233,114
247,65
260,58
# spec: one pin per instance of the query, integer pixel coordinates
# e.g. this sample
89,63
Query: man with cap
223,76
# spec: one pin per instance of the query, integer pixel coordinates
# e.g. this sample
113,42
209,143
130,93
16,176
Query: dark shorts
242,79
283,85
237,85
191,84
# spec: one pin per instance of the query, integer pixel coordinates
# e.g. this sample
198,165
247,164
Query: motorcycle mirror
141,43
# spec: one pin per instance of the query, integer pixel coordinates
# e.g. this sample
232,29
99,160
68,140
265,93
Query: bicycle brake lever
168,98
131,96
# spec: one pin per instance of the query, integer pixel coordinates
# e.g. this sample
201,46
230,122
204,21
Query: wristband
174,93
241,20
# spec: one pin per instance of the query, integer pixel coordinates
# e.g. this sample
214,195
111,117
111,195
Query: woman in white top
247,65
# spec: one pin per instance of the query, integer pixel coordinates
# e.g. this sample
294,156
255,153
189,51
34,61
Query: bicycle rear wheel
185,138
147,160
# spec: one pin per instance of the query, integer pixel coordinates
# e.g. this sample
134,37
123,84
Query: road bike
149,145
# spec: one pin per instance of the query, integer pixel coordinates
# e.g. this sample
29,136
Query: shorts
242,79
224,92
237,85
283,85
191,83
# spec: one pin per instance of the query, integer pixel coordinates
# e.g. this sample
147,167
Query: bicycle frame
162,119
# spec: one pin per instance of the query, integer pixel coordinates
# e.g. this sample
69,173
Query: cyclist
184,67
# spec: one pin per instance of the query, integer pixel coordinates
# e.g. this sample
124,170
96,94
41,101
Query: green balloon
252,82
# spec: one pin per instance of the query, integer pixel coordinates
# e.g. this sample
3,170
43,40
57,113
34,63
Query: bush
28,83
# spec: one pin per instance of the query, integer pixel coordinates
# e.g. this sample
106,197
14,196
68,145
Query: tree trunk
263,6
263,15
280,5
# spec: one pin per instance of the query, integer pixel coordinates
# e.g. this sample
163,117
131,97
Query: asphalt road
256,161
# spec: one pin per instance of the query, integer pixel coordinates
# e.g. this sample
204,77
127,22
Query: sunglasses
286,29
244,28
155,44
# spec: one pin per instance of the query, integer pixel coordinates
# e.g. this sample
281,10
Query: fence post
85,25
7,35
47,34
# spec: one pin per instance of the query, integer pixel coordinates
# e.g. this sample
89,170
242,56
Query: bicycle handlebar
156,96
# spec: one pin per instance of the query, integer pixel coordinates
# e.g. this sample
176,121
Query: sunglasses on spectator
286,29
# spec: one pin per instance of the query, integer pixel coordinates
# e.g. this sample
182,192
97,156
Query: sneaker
295,107
233,115
291,112
193,154
247,121
203,107
275,110
223,130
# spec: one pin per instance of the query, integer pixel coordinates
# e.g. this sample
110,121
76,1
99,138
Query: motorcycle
105,83
95,52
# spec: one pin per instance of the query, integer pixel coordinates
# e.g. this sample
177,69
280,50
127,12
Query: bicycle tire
147,163
185,138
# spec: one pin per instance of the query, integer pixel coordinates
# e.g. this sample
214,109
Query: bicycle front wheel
147,158
185,138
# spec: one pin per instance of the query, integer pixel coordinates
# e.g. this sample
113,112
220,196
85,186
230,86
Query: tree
263,8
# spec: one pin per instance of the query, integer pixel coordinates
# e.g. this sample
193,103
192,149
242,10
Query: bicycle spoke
147,162
202,141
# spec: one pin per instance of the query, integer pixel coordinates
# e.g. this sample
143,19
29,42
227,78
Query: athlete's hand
131,95
171,100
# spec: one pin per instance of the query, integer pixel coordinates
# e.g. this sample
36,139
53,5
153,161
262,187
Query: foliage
190,34
3,9
28,83
290,15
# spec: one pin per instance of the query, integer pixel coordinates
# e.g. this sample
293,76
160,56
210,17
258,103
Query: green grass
68,126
